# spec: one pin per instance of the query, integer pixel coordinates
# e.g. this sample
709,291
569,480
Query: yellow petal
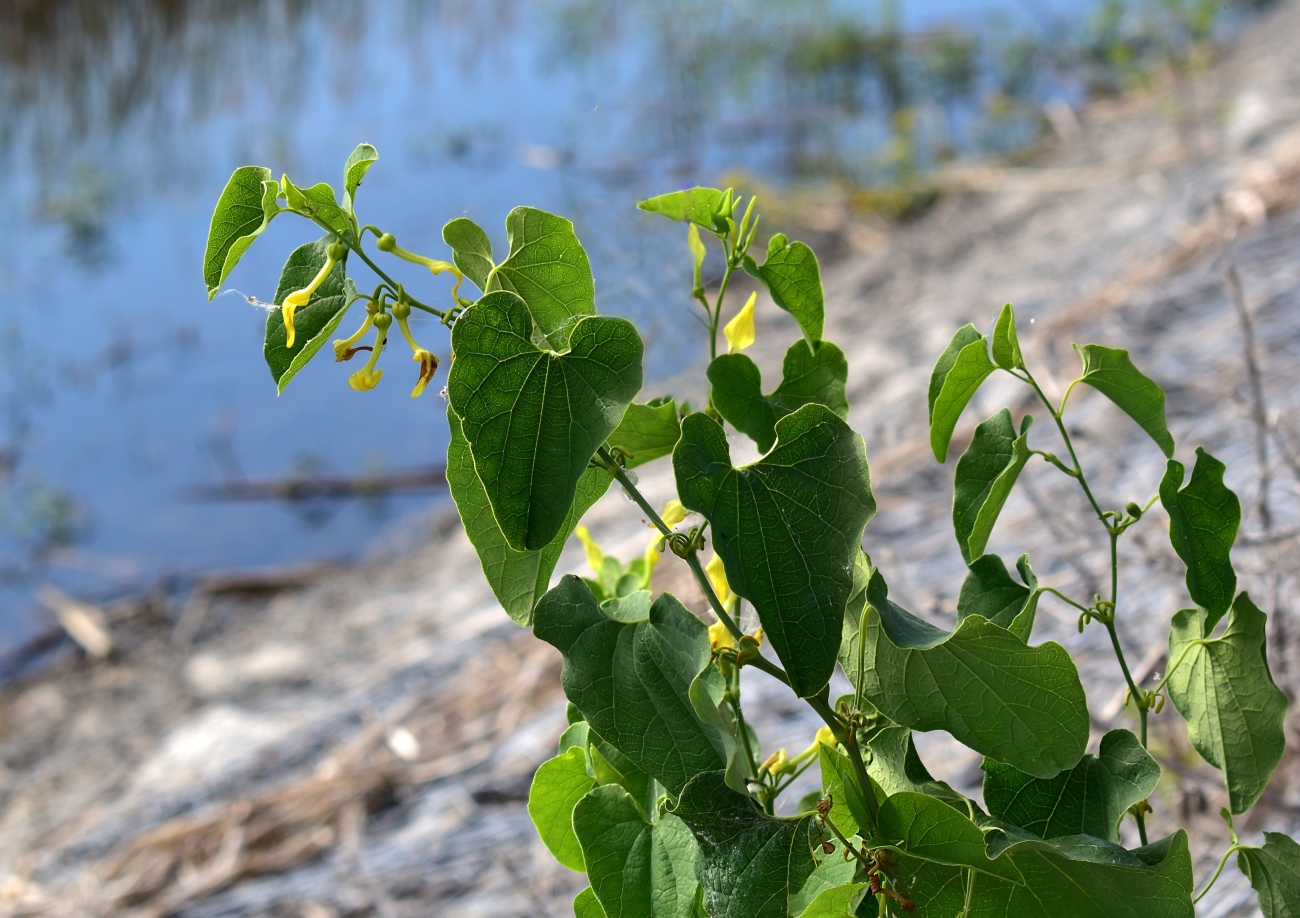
697,249
718,577
740,330
651,559
364,380
826,737
595,554
286,311
673,512
720,637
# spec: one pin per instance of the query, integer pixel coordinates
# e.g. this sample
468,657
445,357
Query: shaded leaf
533,418
354,170
548,269
849,810
928,829
1274,872
1203,520
557,787
1110,371
788,528
694,205
1089,799
637,869
1006,343
961,369
750,864
647,431
313,323
246,206
1020,705
836,903
792,277
986,473
896,767
809,377
1223,689
518,578
471,250
632,681
989,590
831,875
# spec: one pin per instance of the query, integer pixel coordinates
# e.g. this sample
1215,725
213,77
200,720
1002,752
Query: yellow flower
673,512
299,298
428,366
719,637
388,244
740,330
595,554
777,764
365,379
826,737
718,577
697,256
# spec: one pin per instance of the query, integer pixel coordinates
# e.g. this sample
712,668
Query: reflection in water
120,387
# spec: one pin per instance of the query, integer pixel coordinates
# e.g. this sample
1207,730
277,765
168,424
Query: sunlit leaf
647,431
548,268
1110,371
1203,520
1006,343
586,905
247,204
314,323
354,170
471,250
793,278
695,205
319,202
557,787
958,374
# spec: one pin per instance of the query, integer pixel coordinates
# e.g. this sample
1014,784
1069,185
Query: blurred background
129,405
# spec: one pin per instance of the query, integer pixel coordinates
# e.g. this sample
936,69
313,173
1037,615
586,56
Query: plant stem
1217,870
356,247
716,316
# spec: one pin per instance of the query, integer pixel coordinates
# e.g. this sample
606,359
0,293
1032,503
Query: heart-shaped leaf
788,528
958,374
533,417
471,250
794,280
354,170
750,864
245,208
557,787
638,869
1020,705
990,591
632,680
518,578
986,473
1224,690
313,323
548,268
1203,520
1274,872
811,375
1089,799
1110,371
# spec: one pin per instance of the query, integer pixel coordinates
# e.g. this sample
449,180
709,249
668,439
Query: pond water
122,387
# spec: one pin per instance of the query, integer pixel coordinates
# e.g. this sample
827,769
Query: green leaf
586,905
1224,690
518,578
246,206
471,250
836,903
638,869
354,170
896,767
534,418
811,375
1016,704
547,268
557,787
831,875
928,829
647,431
1006,343
632,680
1089,799
318,201
314,323
849,810
750,864
961,370
986,473
1110,371
1274,872
694,205
990,591
1061,878
787,528
792,276
1203,521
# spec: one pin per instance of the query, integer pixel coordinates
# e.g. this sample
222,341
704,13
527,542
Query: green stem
1218,870
356,247
1069,445
848,737
1065,599
716,315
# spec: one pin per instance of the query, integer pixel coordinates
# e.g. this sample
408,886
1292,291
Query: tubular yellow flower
740,330
299,298
720,637
428,362
826,737
389,244
673,512
718,577
366,378
595,554
345,348
777,764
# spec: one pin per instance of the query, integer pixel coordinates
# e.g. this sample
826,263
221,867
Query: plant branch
1233,848
356,247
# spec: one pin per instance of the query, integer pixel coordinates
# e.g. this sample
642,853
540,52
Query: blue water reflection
122,386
